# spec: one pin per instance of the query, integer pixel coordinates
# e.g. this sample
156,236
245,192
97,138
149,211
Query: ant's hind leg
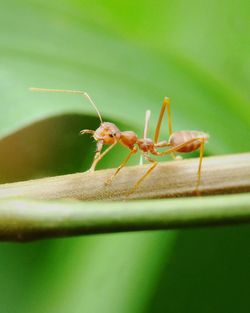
164,143
199,168
176,148
145,175
110,179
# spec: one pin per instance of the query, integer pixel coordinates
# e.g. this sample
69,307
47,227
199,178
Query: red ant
109,134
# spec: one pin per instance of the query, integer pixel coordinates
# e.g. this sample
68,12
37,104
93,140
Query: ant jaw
87,131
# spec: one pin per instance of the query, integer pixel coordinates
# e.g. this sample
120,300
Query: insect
109,134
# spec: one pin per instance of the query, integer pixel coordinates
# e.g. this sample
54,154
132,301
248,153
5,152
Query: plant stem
220,175
27,220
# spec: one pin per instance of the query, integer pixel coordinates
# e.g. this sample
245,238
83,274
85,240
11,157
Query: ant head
108,133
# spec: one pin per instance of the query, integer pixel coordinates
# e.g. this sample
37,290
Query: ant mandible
109,134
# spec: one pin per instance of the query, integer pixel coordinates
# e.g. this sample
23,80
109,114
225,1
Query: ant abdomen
180,137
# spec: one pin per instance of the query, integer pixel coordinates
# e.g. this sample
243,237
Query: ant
109,134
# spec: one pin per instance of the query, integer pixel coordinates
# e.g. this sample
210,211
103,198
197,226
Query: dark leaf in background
49,147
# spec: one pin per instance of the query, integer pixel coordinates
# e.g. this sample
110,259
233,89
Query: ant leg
176,148
146,126
161,144
199,168
164,143
165,105
141,160
98,155
133,151
99,146
145,175
145,132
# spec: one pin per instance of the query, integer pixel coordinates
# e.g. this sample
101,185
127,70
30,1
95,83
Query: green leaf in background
127,55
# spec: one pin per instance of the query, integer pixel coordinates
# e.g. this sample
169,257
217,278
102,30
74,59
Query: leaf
127,55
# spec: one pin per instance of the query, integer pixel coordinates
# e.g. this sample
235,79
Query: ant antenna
82,93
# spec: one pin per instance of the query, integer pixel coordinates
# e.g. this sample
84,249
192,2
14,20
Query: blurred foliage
127,55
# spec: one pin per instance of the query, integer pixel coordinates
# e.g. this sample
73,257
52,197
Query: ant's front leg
99,155
99,146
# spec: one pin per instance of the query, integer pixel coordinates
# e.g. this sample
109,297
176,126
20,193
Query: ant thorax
146,145
108,133
129,139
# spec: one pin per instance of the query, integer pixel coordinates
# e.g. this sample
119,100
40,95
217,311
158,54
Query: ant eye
111,135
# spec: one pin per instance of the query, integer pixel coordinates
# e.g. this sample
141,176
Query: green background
128,55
